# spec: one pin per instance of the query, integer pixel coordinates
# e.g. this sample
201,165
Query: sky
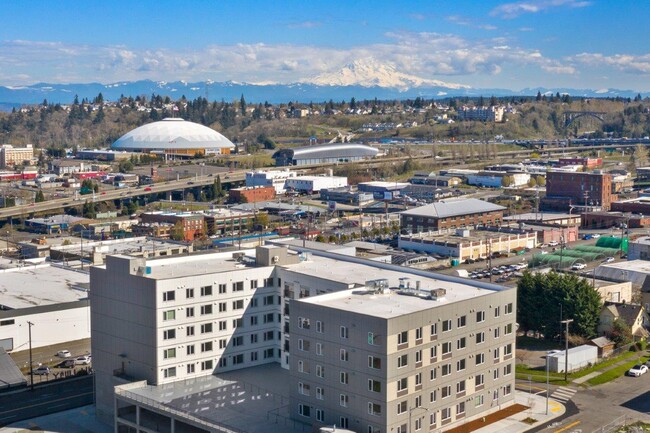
578,44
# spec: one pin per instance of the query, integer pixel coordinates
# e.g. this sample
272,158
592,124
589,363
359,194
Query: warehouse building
325,154
450,215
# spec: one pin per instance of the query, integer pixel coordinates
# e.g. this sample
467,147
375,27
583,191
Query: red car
147,189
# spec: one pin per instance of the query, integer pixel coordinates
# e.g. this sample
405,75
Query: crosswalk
563,394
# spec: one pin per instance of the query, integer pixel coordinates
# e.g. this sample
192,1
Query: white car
63,354
553,244
578,266
83,360
595,236
608,260
637,370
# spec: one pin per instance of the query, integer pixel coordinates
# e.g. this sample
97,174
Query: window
478,400
479,380
344,332
480,337
319,327
461,343
434,330
223,325
302,322
507,330
268,282
418,357
497,312
445,414
189,312
304,410
253,320
344,355
268,300
191,368
496,354
268,318
374,385
343,422
418,333
222,307
433,396
222,288
403,338
253,284
319,349
460,387
446,370
446,348
303,345
238,305
320,393
344,378
206,328
462,321
169,353
320,371
460,408
418,424
433,374
495,374
446,325
268,336
303,388
169,296
432,419
7,322
374,362
480,316
238,286
418,379
223,343
206,347
480,358
433,352
445,391
374,409
372,338
268,353
238,341
169,334
189,293
169,372
343,400
402,407
253,338
223,362
169,315
508,308
507,390
402,361
402,384
507,370
320,415
497,332
206,291
301,367
460,365
206,309
507,349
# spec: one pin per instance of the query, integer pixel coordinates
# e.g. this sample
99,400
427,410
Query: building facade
579,189
11,156
451,215
274,178
190,226
481,114
251,194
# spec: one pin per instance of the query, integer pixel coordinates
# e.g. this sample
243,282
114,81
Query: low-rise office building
190,226
451,215
311,184
274,178
251,194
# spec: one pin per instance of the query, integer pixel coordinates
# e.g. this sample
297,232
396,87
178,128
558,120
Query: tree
640,155
178,232
541,180
621,333
125,166
506,181
532,183
39,196
539,297
242,105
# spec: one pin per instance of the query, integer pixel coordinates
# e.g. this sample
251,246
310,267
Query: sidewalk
513,422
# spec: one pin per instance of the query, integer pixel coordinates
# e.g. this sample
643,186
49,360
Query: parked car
637,370
608,260
578,266
44,370
68,363
595,235
83,360
553,243
63,354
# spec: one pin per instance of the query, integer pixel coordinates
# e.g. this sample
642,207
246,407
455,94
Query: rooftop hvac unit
436,294
275,259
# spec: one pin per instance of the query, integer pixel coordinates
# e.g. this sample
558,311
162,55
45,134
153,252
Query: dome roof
172,133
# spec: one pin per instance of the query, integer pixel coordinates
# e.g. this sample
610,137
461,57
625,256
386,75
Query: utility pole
566,352
490,258
31,373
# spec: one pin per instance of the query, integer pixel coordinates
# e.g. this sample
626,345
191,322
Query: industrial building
53,298
175,138
251,194
102,155
171,335
56,224
324,154
451,215
579,190
312,184
274,178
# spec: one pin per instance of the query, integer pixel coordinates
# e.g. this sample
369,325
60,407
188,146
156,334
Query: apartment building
482,114
585,191
163,328
374,359
11,156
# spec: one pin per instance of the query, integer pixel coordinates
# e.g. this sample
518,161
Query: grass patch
530,343
529,420
633,428
615,373
603,364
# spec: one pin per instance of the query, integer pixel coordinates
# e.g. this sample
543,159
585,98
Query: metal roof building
445,209
175,137
329,153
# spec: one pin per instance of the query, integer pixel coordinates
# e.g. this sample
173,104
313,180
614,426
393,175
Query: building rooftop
31,286
475,236
449,208
540,216
386,185
119,246
634,271
56,219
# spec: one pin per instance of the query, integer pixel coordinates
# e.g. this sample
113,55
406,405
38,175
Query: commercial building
154,230
481,114
586,162
55,224
251,194
346,196
11,156
605,220
427,193
176,138
470,245
174,322
494,179
639,248
223,221
274,178
426,178
62,167
451,215
585,191
643,174
324,154
102,155
549,226
190,225
53,298
383,190
639,205
311,184
549,218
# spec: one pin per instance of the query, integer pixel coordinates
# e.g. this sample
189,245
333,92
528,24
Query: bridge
570,116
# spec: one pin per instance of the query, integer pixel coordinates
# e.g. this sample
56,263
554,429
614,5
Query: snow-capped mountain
371,73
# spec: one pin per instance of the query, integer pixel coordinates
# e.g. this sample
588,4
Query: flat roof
475,235
120,246
540,216
448,208
314,178
56,219
31,286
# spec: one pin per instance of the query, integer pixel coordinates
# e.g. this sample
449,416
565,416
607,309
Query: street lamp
411,409
566,352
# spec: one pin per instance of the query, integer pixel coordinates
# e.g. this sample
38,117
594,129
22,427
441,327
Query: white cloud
513,10
304,25
633,64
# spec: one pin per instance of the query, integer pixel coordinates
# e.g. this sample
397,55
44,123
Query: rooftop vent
378,286
436,294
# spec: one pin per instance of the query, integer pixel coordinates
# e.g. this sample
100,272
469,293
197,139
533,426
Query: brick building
587,191
450,215
587,163
251,194
192,223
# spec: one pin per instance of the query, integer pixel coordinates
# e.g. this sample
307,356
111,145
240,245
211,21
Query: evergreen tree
39,196
539,96
242,105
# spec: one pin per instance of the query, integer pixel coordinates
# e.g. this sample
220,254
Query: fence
619,422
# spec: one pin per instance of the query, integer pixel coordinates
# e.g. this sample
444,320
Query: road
119,194
46,399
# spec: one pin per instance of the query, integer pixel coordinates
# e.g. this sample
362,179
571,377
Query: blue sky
504,44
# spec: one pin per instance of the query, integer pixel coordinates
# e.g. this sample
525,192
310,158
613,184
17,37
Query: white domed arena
175,138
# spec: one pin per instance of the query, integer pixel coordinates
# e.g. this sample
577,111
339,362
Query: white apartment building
274,178
10,155
482,114
162,328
